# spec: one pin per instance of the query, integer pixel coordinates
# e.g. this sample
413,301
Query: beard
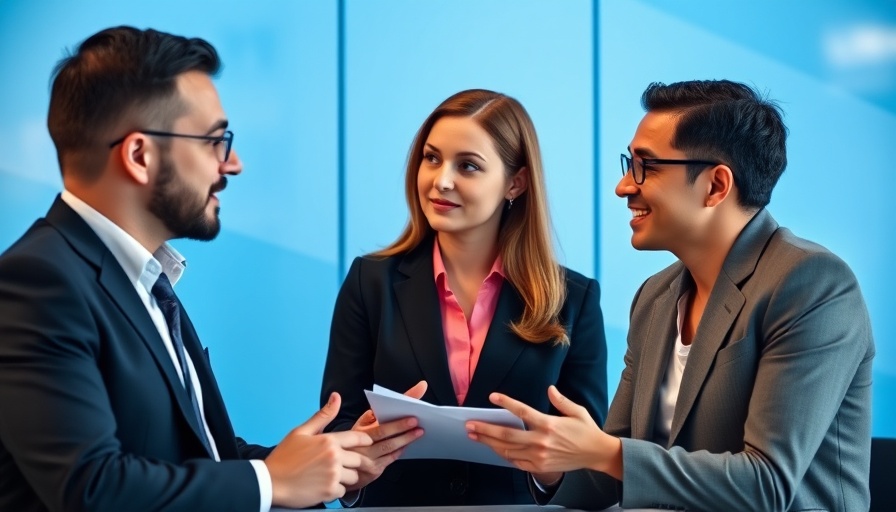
180,208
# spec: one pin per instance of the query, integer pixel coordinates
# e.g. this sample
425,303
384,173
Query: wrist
609,460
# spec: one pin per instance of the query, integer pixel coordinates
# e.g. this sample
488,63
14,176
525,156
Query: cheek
422,185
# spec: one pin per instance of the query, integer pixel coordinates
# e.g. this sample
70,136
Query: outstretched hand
389,440
551,445
308,467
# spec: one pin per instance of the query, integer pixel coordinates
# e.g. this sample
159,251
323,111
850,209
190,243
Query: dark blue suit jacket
387,330
92,413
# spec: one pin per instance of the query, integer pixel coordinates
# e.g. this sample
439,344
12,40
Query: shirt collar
438,267
140,266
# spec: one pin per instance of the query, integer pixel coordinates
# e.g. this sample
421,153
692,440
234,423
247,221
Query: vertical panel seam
595,88
340,157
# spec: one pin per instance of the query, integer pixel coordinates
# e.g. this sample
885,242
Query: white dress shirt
142,269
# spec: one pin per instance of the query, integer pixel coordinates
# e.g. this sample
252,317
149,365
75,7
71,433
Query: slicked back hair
727,122
118,80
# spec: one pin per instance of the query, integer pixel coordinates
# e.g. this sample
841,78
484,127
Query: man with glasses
107,400
747,380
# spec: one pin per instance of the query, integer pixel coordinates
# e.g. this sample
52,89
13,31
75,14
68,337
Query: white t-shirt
668,395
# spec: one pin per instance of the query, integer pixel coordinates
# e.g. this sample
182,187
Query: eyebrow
642,152
462,153
220,125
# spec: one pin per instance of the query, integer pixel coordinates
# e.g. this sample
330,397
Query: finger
498,445
351,439
348,477
566,406
366,419
366,466
354,460
383,462
340,492
531,417
393,428
525,465
418,390
498,434
321,418
508,451
388,446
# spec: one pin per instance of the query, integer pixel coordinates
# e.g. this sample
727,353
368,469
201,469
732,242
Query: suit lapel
654,358
418,303
724,306
725,303
120,291
500,350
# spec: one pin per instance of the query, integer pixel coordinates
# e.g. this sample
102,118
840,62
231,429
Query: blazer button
458,487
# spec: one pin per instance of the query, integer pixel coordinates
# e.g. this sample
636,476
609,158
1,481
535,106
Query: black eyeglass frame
628,164
226,138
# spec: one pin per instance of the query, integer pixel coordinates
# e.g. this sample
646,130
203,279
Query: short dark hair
120,78
727,122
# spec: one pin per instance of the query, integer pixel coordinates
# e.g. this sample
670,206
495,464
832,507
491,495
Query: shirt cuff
546,489
351,498
265,486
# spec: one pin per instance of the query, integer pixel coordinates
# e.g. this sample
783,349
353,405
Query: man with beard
107,401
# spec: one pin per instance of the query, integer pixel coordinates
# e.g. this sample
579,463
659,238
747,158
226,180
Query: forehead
655,133
201,98
456,133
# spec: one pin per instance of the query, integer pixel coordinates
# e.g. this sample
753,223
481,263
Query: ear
137,152
720,185
519,183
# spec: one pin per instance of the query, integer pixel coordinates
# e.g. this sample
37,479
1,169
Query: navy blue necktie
164,294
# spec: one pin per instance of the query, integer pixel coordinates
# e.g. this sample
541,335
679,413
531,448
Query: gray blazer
774,409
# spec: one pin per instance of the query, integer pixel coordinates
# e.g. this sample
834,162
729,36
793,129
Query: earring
509,203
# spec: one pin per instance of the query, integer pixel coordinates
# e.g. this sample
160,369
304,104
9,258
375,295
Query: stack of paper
445,436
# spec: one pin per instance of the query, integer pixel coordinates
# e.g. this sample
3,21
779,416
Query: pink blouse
464,337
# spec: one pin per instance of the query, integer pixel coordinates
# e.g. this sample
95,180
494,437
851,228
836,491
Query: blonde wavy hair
524,237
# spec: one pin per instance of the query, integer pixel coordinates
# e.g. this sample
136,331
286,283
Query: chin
641,244
438,224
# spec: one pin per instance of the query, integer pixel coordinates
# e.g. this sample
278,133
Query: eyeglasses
637,166
221,143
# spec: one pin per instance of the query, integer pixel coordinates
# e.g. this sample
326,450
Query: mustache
219,186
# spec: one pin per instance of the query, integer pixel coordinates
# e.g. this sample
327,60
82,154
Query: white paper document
445,436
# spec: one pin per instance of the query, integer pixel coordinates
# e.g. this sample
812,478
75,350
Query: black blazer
92,413
387,330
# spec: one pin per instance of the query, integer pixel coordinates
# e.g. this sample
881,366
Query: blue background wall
325,97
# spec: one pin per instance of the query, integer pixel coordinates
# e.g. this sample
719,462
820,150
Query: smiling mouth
443,202
637,213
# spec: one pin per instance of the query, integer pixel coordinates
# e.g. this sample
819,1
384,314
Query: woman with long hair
467,301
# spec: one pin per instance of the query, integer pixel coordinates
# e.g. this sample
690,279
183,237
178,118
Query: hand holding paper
445,435
389,439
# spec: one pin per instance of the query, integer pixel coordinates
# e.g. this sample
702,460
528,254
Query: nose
233,165
444,179
626,186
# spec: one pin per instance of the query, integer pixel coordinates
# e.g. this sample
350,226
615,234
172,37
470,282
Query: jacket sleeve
349,364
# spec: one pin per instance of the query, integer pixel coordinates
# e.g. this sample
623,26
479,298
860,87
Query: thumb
321,418
566,406
366,419
418,390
